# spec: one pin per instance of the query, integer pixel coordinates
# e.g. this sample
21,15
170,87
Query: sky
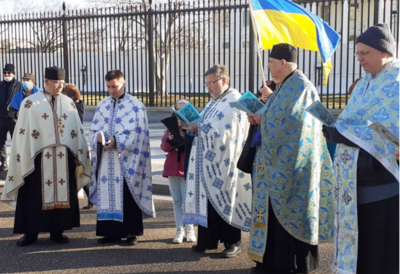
8,6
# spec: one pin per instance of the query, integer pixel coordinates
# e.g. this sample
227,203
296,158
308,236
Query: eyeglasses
211,83
7,72
361,53
58,83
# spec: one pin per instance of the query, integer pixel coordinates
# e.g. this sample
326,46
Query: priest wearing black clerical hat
293,174
49,163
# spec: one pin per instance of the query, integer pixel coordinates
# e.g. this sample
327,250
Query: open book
249,103
188,114
319,111
384,132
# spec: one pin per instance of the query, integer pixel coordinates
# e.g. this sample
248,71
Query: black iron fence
165,49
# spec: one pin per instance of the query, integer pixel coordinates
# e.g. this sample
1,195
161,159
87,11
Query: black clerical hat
54,73
284,51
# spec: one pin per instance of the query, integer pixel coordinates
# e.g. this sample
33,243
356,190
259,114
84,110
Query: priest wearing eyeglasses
49,163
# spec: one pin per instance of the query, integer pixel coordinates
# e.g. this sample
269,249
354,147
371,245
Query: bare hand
255,117
396,153
265,93
110,144
251,120
192,127
170,136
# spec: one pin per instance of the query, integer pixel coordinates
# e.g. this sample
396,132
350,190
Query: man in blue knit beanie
366,169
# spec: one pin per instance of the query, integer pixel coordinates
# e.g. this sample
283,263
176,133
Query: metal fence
165,49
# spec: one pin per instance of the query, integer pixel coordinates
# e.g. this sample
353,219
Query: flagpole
257,45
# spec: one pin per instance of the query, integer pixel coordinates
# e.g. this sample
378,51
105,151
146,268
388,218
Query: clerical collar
119,98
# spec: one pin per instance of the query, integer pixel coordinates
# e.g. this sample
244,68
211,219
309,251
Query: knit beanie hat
284,51
9,68
378,37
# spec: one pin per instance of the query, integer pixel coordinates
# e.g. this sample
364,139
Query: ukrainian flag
282,21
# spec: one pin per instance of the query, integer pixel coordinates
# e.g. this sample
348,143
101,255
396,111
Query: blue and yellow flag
282,21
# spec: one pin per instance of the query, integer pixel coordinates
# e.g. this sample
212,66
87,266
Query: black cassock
132,224
29,216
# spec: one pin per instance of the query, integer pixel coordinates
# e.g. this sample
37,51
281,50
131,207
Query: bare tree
48,32
171,30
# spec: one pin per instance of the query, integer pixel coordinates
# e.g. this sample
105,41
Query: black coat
80,107
7,92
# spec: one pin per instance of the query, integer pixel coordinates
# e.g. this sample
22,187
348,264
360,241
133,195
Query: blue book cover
188,114
249,103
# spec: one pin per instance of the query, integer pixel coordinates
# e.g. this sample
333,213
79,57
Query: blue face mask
26,85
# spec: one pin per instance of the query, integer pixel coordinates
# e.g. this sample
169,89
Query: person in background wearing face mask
28,88
8,88
49,163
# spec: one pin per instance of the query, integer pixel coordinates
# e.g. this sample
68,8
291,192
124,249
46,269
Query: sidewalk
155,252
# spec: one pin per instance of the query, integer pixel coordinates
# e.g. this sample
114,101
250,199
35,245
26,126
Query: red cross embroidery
81,151
11,178
22,131
35,134
87,155
48,155
73,105
73,134
82,131
60,155
61,181
49,182
45,116
65,116
18,158
28,104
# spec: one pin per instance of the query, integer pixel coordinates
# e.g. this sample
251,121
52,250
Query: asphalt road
155,252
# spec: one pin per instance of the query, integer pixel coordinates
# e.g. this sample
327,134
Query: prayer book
319,111
249,103
384,132
188,114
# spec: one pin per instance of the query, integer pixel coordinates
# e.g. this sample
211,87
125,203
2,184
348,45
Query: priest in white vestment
121,185
218,195
49,163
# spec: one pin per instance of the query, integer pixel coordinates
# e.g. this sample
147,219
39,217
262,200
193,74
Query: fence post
376,12
65,45
151,55
251,57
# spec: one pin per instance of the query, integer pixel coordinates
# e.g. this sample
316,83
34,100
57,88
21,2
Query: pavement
155,253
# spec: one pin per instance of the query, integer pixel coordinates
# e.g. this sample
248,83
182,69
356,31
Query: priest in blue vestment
121,185
366,168
218,195
293,175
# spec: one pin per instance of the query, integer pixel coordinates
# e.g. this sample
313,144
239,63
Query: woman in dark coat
73,92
